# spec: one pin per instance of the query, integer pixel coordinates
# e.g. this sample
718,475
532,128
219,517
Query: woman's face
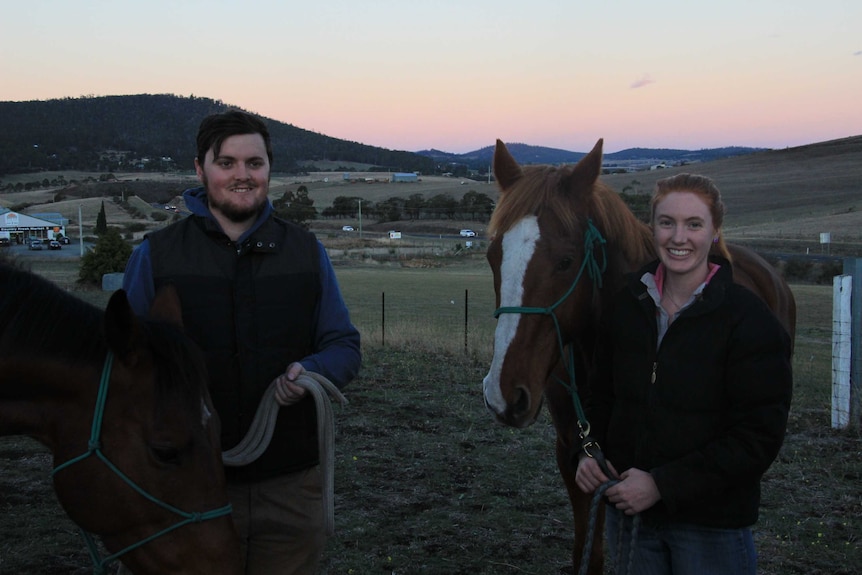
683,233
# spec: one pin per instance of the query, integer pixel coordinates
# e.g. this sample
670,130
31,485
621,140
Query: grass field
427,483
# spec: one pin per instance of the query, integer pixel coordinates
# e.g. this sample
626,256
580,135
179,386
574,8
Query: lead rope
634,522
259,435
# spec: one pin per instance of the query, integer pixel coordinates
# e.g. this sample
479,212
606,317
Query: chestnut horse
122,404
562,242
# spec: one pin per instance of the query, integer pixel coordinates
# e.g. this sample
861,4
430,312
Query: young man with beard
260,297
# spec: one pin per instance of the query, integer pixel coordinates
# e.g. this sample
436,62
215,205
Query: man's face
237,181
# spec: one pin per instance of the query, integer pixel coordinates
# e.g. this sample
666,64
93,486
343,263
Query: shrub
109,255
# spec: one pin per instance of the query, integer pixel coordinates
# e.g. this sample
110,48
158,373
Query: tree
442,205
389,210
109,255
413,206
101,221
296,207
474,203
343,207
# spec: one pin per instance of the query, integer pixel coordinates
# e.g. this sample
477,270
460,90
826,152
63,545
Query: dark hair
701,186
216,128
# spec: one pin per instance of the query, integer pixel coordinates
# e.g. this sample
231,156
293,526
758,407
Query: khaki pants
280,523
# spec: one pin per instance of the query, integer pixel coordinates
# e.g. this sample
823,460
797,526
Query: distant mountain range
156,133
527,154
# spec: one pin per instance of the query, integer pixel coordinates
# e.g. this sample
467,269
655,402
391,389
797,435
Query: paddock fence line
450,321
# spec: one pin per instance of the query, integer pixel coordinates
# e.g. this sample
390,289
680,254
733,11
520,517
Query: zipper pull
652,375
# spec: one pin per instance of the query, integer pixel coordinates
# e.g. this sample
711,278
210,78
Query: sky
455,75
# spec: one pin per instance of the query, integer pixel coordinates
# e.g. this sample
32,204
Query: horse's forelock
539,190
179,369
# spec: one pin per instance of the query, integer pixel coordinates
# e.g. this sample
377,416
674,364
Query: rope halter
592,239
95,449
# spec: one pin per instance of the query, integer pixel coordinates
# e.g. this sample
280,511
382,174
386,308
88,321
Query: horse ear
587,171
121,326
506,169
166,306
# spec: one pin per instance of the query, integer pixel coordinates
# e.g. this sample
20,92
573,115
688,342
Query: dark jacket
706,412
254,306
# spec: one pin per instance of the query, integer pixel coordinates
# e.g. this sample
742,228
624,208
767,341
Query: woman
690,398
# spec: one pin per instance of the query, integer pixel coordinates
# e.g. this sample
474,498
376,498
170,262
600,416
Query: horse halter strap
95,448
592,238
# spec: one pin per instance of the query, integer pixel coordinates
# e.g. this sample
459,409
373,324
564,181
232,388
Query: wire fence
457,320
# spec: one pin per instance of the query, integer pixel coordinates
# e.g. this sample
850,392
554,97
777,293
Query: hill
789,195
154,133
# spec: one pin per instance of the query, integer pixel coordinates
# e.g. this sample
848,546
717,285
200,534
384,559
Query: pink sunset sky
458,74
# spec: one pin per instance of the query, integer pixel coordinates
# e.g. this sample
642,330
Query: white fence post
842,287
853,267
847,347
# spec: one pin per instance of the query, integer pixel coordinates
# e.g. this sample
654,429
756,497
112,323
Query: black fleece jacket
706,412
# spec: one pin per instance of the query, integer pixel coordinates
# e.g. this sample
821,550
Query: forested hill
96,133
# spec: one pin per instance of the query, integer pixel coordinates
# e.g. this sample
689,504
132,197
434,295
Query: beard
235,213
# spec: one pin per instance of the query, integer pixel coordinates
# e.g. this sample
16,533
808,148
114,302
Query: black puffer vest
250,307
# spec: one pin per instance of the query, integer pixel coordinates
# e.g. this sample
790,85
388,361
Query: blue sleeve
138,280
337,353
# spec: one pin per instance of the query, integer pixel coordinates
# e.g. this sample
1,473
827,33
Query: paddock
426,484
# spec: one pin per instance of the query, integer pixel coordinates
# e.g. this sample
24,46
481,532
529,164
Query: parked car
35,245
5,242
468,234
346,228
65,240
54,245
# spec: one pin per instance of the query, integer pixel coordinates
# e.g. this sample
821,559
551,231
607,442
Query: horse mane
37,315
544,189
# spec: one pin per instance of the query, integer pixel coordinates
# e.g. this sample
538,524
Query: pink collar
660,274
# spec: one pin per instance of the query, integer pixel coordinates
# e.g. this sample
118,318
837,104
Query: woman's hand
635,492
589,475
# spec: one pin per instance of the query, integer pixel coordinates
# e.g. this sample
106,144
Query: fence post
853,267
842,287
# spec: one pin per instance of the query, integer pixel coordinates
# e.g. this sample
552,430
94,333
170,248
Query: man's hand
287,392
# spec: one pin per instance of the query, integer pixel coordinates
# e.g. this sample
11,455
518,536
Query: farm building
404,177
21,227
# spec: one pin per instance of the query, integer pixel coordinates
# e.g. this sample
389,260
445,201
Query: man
260,297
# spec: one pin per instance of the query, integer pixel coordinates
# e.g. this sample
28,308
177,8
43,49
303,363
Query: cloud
857,53
641,82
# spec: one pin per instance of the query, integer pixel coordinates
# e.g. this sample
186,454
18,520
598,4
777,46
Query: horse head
548,256
159,494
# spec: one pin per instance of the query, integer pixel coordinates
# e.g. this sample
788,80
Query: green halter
95,448
595,270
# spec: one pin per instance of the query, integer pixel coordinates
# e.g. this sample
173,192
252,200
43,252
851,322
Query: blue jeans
679,548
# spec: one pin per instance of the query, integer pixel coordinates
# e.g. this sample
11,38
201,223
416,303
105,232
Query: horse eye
166,454
564,264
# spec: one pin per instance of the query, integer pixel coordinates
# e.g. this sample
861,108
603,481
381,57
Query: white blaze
519,244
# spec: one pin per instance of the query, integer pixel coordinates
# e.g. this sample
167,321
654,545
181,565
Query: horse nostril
522,402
